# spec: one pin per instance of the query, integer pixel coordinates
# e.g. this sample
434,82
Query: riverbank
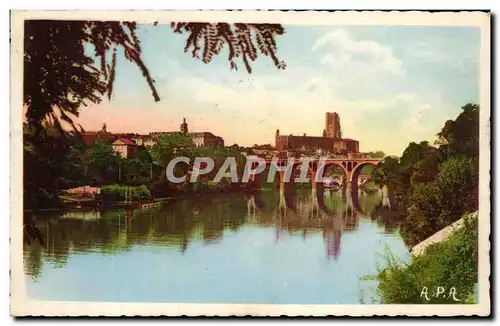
440,235
447,260
89,203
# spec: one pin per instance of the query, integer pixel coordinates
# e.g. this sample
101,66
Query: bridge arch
339,164
357,170
327,169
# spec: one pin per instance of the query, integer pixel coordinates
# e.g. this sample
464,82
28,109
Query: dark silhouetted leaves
59,76
243,40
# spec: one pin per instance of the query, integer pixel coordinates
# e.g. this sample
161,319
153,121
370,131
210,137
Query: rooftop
125,141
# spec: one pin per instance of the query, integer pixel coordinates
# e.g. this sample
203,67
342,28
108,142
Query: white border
20,305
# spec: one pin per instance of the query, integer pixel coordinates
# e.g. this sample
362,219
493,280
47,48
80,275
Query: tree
219,155
414,153
169,146
390,172
138,170
427,168
461,136
377,154
143,155
45,168
440,202
458,182
60,77
104,163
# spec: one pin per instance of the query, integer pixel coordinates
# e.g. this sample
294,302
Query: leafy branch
243,40
59,76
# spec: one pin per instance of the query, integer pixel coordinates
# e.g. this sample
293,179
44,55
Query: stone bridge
288,169
310,210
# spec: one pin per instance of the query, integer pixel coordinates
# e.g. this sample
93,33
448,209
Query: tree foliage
60,76
442,201
462,134
169,146
433,186
175,145
120,192
243,40
377,154
45,170
103,163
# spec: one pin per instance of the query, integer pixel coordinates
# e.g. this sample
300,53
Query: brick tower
184,127
332,125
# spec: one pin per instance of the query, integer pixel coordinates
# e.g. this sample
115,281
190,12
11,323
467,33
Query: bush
437,204
117,192
451,263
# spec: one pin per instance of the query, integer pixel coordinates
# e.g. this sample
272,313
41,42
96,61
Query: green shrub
438,203
117,192
451,263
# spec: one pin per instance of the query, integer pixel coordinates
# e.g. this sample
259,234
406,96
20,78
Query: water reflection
204,220
318,210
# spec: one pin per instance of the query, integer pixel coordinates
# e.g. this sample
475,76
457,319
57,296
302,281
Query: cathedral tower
184,127
332,125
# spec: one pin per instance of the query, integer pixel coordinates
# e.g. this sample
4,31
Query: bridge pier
251,207
282,208
350,166
314,202
353,186
348,195
254,179
313,170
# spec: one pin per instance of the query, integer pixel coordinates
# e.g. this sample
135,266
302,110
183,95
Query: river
302,248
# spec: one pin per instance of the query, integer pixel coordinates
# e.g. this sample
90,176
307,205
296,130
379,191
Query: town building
330,142
125,147
206,139
91,137
200,139
144,140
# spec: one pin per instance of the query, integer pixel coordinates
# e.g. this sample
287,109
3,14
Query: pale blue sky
390,85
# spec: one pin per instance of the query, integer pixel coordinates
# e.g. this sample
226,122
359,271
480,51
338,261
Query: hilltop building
91,137
206,139
125,143
332,126
330,142
200,139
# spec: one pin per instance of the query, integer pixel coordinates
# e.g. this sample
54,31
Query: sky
391,85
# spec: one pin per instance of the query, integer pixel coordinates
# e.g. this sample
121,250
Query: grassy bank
452,263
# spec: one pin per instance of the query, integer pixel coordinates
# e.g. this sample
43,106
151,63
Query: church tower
184,127
332,125
338,131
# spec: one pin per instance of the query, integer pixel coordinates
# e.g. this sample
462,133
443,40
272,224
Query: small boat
149,205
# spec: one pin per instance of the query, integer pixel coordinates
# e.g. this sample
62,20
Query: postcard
262,163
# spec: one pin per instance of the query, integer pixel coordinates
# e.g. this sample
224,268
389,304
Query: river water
302,248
